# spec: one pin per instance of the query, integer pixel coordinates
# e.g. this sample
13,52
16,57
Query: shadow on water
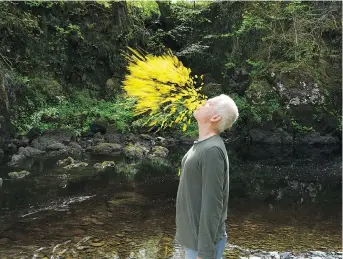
278,203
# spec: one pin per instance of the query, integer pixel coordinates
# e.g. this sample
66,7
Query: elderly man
202,197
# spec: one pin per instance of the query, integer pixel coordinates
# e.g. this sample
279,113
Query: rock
165,142
12,148
33,133
56,146
76,165
4,241
285,255
98,138
146,137
135,151
106,149
159,151
1,181
112,138
18,175
104,165
271,137
69,160
53,136
24,142
17,159
96,127
74,149
30,152
318,253
274,255
97,244
60,152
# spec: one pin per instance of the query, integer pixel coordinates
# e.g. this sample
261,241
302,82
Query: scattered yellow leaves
163,87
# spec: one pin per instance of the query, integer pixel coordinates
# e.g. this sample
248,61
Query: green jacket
202,197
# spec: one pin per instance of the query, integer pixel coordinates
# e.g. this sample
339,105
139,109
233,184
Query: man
202,197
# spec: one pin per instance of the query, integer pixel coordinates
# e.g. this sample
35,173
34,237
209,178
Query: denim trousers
220,247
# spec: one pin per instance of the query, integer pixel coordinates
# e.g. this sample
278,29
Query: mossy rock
106,148
135,151
18,175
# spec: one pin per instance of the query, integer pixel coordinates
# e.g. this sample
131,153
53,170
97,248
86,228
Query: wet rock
113,138
1,181
33,133
60,152
106,149
104,165
69,160
159,151
286,255
76,165
18,175
17,159
53,136
12,148
30,152
97,244
56,146
318,253
98,138
135,151
74,149
165,142
23,142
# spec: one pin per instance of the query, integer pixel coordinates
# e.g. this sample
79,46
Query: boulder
76,165
135,151
74,149
30,152
33,133
53,136
159,151
17,159
106,149
18,175
102,166
56,146
69,160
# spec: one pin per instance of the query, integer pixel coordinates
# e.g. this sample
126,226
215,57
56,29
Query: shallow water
82,213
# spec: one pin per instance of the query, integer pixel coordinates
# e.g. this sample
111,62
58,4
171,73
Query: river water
280,201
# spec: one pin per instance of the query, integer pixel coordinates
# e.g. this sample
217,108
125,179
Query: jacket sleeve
212,172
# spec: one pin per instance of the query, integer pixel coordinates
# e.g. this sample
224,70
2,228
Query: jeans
220,247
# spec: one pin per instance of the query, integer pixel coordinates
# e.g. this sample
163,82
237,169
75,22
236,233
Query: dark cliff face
5,124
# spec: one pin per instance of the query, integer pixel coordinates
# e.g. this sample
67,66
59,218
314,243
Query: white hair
228,111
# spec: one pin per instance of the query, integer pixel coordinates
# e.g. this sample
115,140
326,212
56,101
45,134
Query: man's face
205,112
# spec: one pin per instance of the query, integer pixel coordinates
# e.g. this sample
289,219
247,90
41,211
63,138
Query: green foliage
79,111
300,128
70,29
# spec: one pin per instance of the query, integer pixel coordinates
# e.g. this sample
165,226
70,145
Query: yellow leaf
184,128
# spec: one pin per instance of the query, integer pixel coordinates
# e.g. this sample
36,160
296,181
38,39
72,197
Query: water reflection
129,210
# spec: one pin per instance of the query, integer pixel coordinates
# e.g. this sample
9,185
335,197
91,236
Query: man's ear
216,118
